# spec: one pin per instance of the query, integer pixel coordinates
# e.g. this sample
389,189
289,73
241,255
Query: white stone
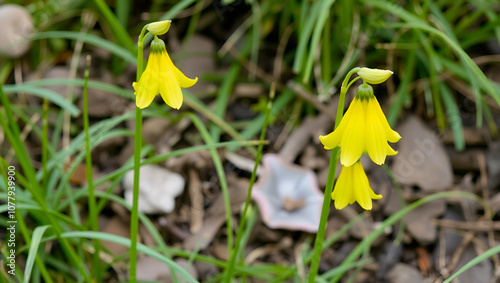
158,188
16,24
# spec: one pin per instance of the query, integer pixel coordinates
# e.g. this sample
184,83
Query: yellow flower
352,185
161,76
364,128
374,76
159,28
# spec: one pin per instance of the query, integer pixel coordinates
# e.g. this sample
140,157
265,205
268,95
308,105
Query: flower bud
374,76
159,28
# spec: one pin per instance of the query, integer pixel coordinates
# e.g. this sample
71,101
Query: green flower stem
318,244
239,234
88,163
134,218
343,91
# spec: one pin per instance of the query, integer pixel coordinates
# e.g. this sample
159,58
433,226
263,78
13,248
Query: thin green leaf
491,252
126,242
35,243
44,93
115,49
454,118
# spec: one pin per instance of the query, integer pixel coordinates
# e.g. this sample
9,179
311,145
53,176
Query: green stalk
239,234
318,244
134,218
88,163
45,141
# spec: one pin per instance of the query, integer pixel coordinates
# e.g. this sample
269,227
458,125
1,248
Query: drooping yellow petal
332,140
342,193
148,85
353,186
391,151
170,90
376,140
361,193
352,143
184,81
392,136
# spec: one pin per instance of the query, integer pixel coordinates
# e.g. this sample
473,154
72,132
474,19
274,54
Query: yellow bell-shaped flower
161,76
352,185
363,128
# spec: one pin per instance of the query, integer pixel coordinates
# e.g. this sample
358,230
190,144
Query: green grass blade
119,31
113,48
44,93
402,92
454,118
35,243
367,241
305,34
491,252
416,23
324,12
126,242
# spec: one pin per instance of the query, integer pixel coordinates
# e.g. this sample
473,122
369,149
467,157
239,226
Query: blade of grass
44,93
324,12
416,23
93,216
126,242
308,17
119,31
234,255
454,118
220,174
12,133
113,48
367,241
402,92
225,90
35,243
489,253
256,125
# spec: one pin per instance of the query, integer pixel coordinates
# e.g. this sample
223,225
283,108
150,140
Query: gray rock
402,272
419,221
151,269
16,24
158,188
422,159
479,273
199,58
